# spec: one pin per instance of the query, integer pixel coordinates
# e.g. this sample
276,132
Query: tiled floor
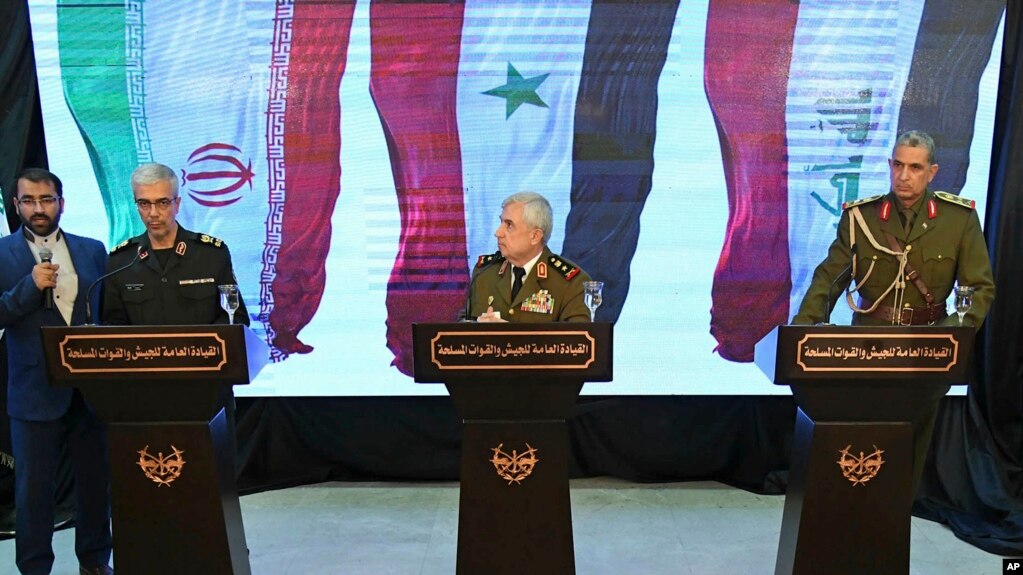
620,528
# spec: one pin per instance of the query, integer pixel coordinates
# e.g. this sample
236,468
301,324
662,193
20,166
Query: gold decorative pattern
860,469
162,470
515,467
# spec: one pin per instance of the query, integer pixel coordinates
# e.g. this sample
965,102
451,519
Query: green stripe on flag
91,37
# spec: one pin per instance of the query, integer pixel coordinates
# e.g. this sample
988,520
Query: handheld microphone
46,257
844,274
88,293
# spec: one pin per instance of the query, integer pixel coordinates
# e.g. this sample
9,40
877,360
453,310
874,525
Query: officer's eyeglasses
161,204
45,201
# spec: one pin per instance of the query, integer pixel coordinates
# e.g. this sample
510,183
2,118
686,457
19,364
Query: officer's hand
45,275
491,316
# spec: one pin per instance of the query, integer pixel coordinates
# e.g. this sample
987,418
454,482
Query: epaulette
860,202
567,269
957,200
122,245
208,239
486,260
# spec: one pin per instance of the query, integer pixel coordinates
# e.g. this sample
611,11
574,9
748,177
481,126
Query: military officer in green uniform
524,281
175,280
910,247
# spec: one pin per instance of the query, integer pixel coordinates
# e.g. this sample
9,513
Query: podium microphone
88,293
46,257
831,289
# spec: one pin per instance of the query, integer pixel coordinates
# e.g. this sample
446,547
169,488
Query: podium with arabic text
514,385
859,390
160,389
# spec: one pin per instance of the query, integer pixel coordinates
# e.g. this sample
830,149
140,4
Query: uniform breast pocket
137,295
200,302
138,303
939,267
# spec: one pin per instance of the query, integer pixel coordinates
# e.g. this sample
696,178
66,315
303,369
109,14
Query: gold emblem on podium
860,469
163,470
515,467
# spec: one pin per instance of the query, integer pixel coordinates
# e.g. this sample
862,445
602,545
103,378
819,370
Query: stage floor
620,528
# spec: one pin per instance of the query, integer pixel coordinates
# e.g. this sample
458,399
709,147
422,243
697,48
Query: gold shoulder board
860,202
954,199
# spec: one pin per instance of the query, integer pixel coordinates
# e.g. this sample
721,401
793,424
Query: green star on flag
518,90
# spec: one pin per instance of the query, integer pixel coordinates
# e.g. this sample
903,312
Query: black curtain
976,481
973,481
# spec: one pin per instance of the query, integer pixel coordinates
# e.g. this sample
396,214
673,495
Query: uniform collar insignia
886,210
180,248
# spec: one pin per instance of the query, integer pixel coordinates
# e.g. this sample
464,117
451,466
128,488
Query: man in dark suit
44,276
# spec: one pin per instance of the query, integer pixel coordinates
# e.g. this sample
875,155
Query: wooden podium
859,389
160,389
514,385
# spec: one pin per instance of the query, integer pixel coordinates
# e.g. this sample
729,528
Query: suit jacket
553,290
29,395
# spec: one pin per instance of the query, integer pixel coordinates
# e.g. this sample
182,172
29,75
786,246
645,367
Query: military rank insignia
566,269
957,200
860,202
540,302
486,259
208,239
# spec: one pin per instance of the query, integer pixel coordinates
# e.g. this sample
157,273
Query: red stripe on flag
748,52
312,148
413,82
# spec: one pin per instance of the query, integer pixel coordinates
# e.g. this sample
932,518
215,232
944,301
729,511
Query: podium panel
514,385
160,389
860,391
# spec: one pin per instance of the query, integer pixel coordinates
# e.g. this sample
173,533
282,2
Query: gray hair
917,139
536,211
148,174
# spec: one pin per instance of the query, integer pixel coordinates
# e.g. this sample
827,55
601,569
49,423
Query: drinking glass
592,296
963,301
229,300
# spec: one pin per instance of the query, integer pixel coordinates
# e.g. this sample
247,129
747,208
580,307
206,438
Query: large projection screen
354,155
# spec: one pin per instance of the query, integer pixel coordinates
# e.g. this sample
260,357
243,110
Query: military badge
180,249
564,268
957,200
859,470
516,466
208,239
540,302
886,211
860,202
161,469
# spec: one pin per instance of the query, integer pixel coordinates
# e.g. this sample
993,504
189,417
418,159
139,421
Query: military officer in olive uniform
524,281
175,280
910,247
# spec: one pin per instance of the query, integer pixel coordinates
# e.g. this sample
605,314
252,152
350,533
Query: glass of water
592,296
229,300
963,301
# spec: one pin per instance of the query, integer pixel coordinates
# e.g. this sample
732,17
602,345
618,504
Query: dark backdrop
974,476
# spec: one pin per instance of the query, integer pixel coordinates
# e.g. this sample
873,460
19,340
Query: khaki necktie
908,216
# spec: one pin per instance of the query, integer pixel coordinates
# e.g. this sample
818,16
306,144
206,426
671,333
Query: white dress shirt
67,279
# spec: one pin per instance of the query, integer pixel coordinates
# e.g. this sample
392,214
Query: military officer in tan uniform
934,238
524,281
911,246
